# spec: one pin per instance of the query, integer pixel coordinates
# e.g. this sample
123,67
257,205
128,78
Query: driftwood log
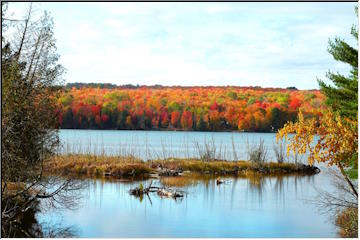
141,190
161,191
169,193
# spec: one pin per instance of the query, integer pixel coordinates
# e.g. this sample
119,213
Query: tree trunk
347,179
34,53
24,33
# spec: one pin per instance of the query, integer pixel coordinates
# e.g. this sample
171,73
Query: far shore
169,130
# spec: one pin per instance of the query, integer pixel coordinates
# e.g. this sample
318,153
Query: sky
202,44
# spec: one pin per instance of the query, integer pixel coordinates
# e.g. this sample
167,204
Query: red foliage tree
175,116
104,118
186,120
294,103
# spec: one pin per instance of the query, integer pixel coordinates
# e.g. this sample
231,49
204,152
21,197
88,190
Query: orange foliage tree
188,108
329,139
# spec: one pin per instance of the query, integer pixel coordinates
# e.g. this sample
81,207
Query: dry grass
347,220
91,165
13,187
195,165
222,167
97,166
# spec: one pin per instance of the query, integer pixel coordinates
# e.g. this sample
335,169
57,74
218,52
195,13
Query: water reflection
256,185
246,206
27,225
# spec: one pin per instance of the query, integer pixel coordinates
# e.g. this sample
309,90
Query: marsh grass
124,167
133,146
206,151
199,166
279,151
97,166
93,160
257,153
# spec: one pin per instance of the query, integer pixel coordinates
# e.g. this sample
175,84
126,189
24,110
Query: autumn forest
185,108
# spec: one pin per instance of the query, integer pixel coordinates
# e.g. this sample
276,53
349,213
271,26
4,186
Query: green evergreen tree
343,97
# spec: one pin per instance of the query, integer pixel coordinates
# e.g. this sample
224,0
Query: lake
164,144
252,206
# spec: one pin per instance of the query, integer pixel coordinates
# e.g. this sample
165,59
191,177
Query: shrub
257,154
279,150
347,220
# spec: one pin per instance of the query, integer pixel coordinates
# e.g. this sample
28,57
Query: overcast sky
241,44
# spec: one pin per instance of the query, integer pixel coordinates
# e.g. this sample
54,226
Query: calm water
242,207
164,144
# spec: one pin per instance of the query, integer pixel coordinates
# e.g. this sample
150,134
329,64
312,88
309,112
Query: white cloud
266,44
218,8
121,29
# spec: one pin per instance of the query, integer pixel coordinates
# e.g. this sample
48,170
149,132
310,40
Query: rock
219,181
308,169
169,173
178,194
154,175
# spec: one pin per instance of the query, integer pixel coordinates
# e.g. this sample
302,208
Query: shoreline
129,167
168,130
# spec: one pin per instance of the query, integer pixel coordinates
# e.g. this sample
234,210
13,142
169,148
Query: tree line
185,108
79,85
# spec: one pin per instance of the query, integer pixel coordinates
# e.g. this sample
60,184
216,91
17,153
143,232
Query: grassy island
122,167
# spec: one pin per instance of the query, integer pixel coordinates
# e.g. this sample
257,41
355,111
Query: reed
95,161
257,154
279,151
97,166
123,167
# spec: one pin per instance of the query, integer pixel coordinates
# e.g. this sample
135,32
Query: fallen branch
161,191
168,193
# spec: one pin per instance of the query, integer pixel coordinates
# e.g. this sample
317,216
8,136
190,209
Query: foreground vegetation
29,70
347,220
122,167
